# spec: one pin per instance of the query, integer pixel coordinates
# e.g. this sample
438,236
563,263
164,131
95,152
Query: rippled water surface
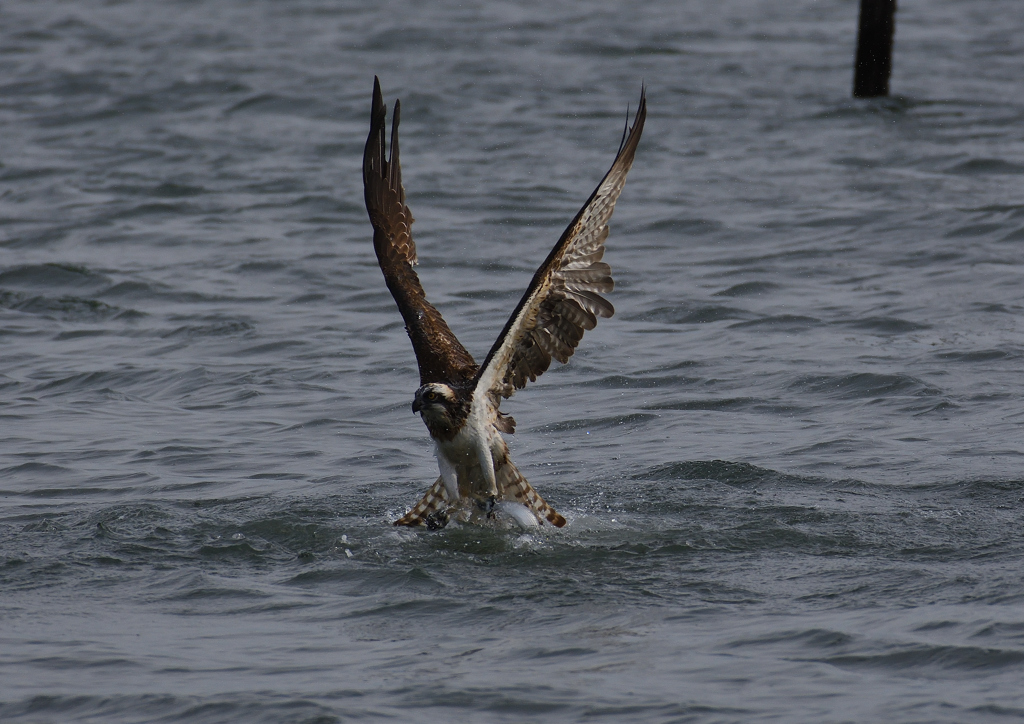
791,463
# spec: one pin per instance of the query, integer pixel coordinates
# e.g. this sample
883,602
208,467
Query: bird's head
436,402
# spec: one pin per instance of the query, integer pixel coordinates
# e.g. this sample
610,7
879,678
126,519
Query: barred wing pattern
433,501
435,506
513,486
440,356
564,298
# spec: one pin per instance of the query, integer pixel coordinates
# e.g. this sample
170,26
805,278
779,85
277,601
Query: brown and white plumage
425,512
437,507
440,356
564,297
459,400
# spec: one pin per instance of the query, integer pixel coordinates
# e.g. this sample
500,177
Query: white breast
459,459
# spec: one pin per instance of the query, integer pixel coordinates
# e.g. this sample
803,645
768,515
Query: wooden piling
874,48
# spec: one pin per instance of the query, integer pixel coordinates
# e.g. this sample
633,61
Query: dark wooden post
874,48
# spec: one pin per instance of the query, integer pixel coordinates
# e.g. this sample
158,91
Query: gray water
791,463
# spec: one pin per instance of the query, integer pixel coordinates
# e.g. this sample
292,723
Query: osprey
458,399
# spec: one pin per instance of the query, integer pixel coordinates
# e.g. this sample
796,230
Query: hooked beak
416,406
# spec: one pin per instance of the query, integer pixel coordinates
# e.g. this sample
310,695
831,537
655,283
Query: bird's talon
437,520
488,506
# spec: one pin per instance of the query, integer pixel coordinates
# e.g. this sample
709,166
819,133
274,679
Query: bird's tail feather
513,486
433,501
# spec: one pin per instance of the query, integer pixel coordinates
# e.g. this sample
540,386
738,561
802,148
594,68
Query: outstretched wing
440,356
564,298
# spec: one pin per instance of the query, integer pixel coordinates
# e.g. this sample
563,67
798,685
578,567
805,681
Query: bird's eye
431,396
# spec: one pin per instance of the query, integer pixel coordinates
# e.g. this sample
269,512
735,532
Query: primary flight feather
459,400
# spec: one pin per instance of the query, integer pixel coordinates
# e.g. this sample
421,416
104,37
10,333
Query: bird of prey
458,399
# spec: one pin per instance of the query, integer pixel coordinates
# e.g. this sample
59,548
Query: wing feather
435,500
512,484
440,356
564,297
